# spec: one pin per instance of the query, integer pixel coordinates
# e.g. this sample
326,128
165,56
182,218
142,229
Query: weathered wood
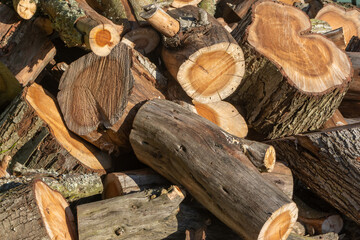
336,120
282,177
327,236
143,40
24,47
283,95
34,211
204,161
338,16
134,216
328,163
317,222
122,183
202,56
33,133
99,96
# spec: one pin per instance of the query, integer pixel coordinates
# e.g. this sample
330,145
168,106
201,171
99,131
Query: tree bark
9,86
207,164
187,52
33,133
281,96
89,86
282,177
34,211
24,47
328,163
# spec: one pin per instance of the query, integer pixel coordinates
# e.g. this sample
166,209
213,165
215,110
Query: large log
192,38
24,47
338,16
33,133
191,151
283,94
34,211
328,163
282,177
99,96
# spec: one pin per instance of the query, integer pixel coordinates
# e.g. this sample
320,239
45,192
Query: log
282,177
336,120
317,222
33,133
122,183
34,211
327,236
187,52
182,3
134,216
282,95
9,86
25,48
143,40
209,6
194,154
338,16
327,161
235,10
222,114
99,96
336,35
25,8
78,24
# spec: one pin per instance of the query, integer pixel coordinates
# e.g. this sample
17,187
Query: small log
182,3
282,177
143,40
336,120
205,162
318,222
327,161
99,96
327,236
235,10
135,216
81,25
34,211
9,86
189,47
118,184
33,133
353,45
25,8
224,115
282,95
338,16
24,47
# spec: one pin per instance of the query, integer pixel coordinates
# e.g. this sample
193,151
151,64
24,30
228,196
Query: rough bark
328,163
9,86
328,236
24,47
282,177
134,216
25,214
33,133
209,6
277,94
203,160
92,82
199,52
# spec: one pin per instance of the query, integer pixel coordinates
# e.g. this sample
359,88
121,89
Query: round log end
224,115
55,212
144,40
212,73
279,225
102,39
25,8
333,223
310,62
270,159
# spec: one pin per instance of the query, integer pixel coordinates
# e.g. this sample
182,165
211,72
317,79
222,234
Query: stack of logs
223,110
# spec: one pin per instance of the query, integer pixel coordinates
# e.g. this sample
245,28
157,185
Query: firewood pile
180,119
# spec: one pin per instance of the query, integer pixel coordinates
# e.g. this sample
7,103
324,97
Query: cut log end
212,73
161,21
318,71
56,214
144,40
279,225
25,8
333,223
102,39
270,159
224,115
